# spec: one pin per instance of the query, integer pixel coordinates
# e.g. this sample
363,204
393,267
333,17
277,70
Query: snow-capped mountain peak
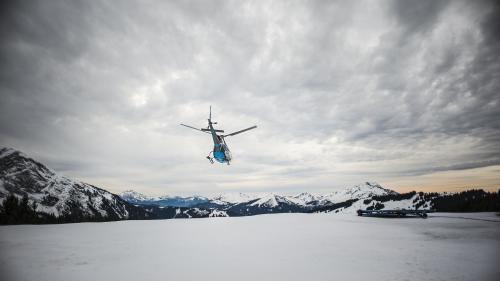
360,191
226,201
56,198
234,198
55,195
305,197
269,200
132,195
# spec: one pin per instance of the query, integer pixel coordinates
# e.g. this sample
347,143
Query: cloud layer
342,92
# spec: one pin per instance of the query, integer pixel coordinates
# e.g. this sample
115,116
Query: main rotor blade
241,131
208,130
194,128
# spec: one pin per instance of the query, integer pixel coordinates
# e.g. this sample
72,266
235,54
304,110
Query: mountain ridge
30,192
56,198
359,191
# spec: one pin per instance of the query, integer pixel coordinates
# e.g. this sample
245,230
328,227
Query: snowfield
266,247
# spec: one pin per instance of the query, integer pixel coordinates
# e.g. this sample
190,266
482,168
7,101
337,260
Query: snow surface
267,247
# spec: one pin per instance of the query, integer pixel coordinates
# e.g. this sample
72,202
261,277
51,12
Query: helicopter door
227,152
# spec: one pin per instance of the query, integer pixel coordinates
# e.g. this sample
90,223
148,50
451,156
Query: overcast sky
404,93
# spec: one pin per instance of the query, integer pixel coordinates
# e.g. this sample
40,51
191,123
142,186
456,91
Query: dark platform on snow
393,213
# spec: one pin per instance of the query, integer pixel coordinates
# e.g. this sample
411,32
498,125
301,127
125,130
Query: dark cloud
340,90
418,16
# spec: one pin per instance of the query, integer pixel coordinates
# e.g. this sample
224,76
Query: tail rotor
210,117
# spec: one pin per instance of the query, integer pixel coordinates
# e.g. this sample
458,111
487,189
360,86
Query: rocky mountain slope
57,195
56,198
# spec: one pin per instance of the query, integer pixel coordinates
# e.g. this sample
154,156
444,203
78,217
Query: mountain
361,191
268,204
366,196
306,198
382,201
55,198
32,193
241,204
135,197
60,199
233,198
56,195
226,200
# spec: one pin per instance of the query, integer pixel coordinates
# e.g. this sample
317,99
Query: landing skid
210,159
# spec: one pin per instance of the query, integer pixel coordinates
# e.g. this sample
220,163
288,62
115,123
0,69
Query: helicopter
221,151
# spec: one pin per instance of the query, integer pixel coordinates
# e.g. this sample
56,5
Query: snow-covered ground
267,247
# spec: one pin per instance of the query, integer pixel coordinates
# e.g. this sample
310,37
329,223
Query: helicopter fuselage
221,151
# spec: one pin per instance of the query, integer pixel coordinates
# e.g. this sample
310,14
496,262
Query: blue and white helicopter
221,151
